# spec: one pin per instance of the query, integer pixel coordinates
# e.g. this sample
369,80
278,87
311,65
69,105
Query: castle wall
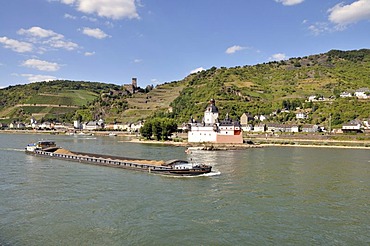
229,138
201,134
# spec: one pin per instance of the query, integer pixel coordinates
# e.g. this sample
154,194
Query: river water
260,196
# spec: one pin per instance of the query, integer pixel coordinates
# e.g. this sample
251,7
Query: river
258,196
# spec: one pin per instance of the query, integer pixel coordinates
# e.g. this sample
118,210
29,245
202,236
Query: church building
212,130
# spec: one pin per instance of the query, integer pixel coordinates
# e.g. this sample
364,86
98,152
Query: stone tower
211,113
134,83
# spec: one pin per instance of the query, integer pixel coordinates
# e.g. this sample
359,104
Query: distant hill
138,106
55,100
259,89
269,87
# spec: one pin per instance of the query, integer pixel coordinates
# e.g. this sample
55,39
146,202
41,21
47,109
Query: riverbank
259,143
251,141
322,141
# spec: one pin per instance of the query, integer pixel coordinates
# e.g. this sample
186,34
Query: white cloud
16,45
95,33
89,18
38,77
343,15
67,45
278,57
89,53
319,27
41,65
289,2
234,49
114,9
199,69
68,16
137,60
38,35
68,1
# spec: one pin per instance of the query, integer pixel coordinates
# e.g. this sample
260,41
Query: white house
351,127
301,115
345,94
310,128
77,124
316,98
362,93
120,126
46,125
135,127
259,128
18,125
260,117
91,126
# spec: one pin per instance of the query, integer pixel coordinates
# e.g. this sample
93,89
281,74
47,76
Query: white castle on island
212,130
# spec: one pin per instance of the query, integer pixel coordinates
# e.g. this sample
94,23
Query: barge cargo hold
172,167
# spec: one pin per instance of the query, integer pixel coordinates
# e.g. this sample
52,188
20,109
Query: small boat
46,148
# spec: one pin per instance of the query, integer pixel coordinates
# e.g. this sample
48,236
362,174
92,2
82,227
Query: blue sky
161,41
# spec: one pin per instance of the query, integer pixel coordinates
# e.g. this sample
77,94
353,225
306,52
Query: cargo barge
173,167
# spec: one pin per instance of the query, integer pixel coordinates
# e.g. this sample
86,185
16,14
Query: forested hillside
270,87
55,100
261,89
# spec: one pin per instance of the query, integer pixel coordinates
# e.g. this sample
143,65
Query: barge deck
172,167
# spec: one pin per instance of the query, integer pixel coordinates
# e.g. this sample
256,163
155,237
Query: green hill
55,100
259,89
135,107
265,88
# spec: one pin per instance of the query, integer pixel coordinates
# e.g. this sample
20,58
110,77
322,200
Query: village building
77,124
213,130
120,126
260,117
259,128
301,115
93,125
273,127
245,122
248,128
109,126
46,125
316,98
351,127
17,125
345,94
3,125
363,93
135,127
310,128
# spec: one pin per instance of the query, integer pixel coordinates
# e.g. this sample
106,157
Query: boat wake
11,149
216,173
88,138
211,174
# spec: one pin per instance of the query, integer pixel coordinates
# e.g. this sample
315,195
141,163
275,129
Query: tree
157,129
160,128
169,126
146,131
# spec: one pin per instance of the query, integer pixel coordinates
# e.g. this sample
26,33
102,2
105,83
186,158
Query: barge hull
120,162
